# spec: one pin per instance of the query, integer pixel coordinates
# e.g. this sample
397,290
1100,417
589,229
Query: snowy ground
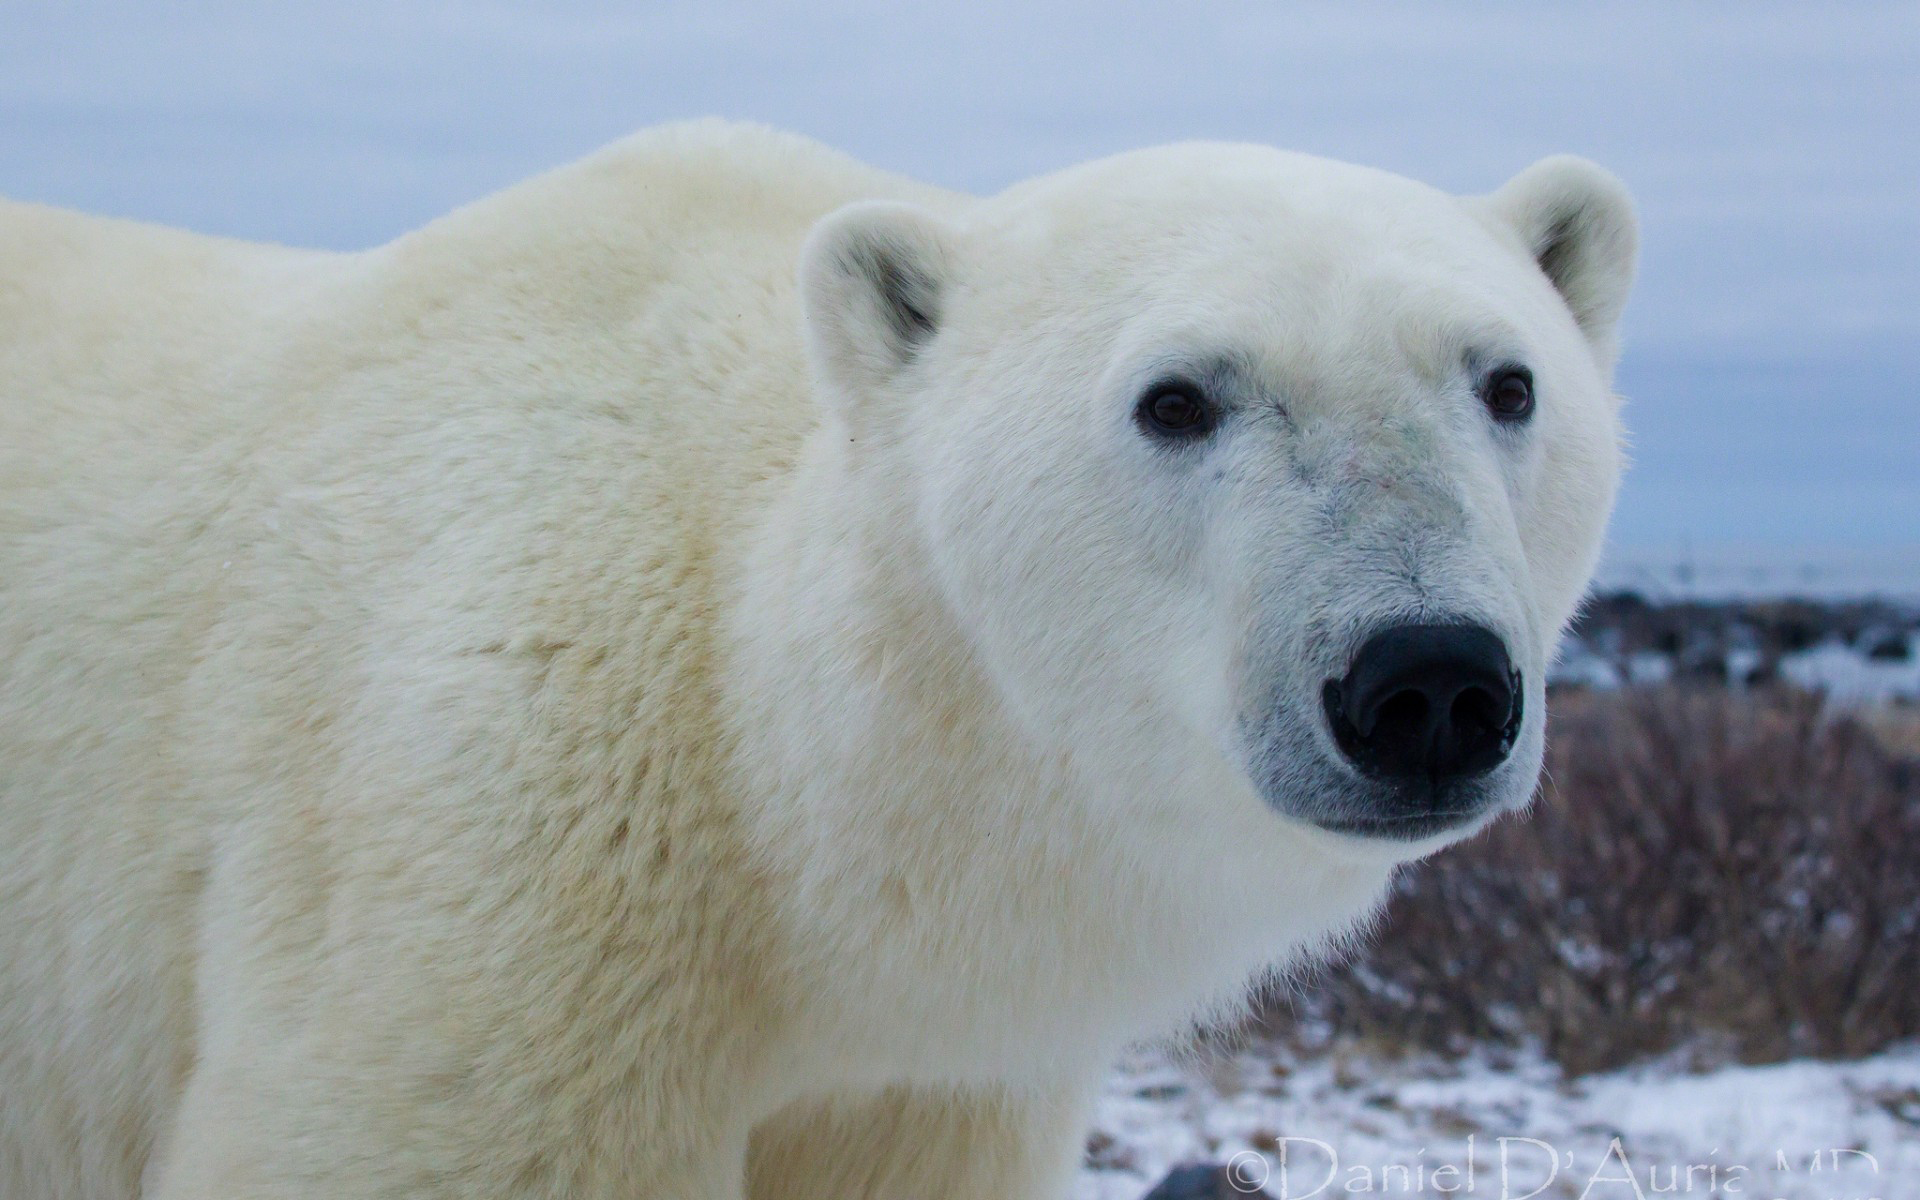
1340,1126
1847,675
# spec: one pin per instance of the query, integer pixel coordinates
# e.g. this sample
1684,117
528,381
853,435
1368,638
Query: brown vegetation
1707,872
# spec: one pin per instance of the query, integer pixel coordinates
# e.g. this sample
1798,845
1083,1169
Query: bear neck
925,848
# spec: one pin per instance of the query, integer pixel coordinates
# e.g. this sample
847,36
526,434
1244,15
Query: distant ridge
1728,572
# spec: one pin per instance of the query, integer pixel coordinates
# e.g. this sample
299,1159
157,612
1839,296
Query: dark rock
1205,1181
1887,646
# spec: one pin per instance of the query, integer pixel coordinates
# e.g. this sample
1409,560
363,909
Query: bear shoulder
692,185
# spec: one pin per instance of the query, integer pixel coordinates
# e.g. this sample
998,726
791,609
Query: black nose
1433,702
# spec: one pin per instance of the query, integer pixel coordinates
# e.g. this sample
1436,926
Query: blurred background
1706,940
1773,346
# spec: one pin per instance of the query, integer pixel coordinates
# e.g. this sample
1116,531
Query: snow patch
1342,1125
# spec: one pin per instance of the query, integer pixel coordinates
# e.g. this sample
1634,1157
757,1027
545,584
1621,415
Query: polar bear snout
1427,707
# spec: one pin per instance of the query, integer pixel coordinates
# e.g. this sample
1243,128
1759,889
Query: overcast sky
1773,357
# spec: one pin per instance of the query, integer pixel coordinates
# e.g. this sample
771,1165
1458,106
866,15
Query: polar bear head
1256,481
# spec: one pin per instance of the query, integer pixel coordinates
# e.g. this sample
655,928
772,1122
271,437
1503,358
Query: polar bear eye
1508,393
1175,411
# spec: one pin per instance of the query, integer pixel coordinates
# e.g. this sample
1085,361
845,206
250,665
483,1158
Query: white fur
552,707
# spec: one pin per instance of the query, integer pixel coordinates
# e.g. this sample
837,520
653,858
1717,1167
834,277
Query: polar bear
721,672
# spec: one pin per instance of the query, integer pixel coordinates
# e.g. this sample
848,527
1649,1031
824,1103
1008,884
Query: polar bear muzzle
1425,708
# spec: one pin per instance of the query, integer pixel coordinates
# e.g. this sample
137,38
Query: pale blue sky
1773,359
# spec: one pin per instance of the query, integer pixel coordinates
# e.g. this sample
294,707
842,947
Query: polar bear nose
1431,702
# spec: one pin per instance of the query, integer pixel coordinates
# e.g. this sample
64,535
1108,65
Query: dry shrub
1706,871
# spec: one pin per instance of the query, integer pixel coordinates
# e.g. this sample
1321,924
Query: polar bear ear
872,278
1578,223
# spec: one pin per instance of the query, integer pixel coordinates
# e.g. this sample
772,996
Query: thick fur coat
662,683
